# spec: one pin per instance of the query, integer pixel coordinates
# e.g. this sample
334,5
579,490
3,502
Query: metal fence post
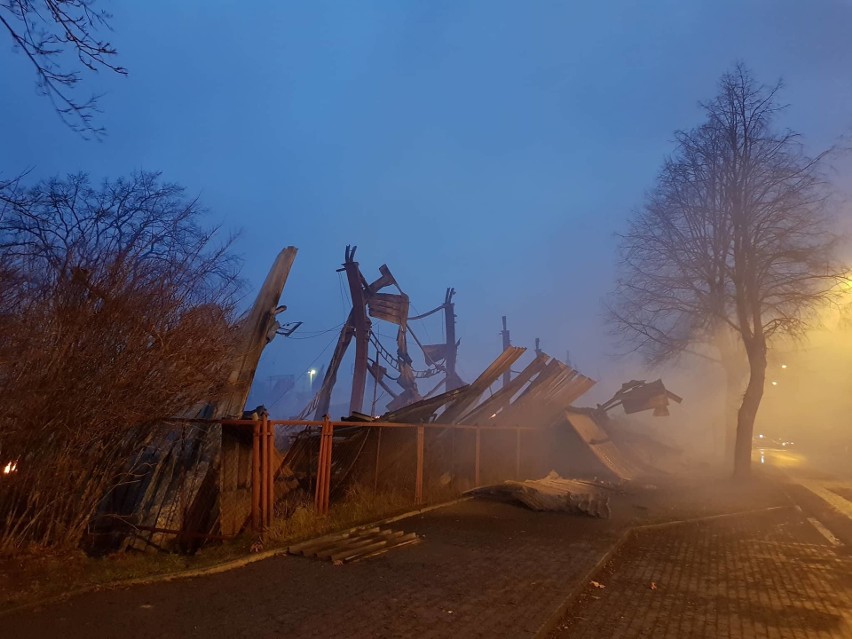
476,463
269,472
418,484
255,478
320,472
378,454
321,498
328,429
518,454
264,486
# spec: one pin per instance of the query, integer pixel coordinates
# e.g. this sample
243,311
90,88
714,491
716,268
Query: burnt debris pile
195,482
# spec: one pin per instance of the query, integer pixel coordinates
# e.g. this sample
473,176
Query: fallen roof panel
601,446
499,366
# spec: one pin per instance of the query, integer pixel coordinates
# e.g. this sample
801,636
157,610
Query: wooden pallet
353,545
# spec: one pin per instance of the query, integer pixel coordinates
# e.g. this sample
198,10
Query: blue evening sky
491,146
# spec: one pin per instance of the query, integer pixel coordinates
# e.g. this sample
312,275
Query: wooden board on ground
353,545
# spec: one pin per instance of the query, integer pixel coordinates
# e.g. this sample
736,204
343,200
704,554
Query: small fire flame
10,468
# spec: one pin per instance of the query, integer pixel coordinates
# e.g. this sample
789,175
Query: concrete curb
557,615
696,520
224,566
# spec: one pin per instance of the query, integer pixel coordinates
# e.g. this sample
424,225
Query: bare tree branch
51,33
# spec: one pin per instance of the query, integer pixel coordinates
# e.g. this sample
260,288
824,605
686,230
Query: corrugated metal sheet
482,413
546,397
601,446
499,366
423,410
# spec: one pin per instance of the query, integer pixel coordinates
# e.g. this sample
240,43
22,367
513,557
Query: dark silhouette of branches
734,245
116,309
59,38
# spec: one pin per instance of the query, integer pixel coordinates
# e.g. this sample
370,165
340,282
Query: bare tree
673,293
115,310
733,246
50,33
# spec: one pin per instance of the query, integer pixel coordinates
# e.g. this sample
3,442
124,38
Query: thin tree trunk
734,364
748,410
733,399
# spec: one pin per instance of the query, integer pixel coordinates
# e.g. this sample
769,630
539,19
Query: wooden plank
407,542
377,548
351,554
355,544
296,548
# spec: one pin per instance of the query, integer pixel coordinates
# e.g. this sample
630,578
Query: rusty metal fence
267,463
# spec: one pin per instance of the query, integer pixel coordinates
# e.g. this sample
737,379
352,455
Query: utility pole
507,376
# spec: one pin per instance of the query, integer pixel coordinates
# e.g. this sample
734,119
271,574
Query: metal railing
263,470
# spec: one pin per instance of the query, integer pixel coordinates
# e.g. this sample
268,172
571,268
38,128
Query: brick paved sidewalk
483,569
488,569
768,575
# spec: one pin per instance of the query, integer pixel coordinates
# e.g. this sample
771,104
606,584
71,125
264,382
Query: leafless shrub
115,309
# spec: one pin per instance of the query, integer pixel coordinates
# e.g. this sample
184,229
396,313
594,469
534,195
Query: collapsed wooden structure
368,301
196,483
186,479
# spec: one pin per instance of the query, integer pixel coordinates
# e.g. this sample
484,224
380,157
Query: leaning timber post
255,331
476,461
212,494
255,478
507,343
418,483
362,327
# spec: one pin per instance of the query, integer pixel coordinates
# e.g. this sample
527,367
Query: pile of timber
354,545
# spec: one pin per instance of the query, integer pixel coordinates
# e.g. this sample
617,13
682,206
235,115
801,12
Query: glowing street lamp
311,374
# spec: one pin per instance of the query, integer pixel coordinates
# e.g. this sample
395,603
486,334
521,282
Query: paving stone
768,575
483,569
496,570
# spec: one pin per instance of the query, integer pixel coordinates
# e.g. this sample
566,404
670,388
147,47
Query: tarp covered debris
551,493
